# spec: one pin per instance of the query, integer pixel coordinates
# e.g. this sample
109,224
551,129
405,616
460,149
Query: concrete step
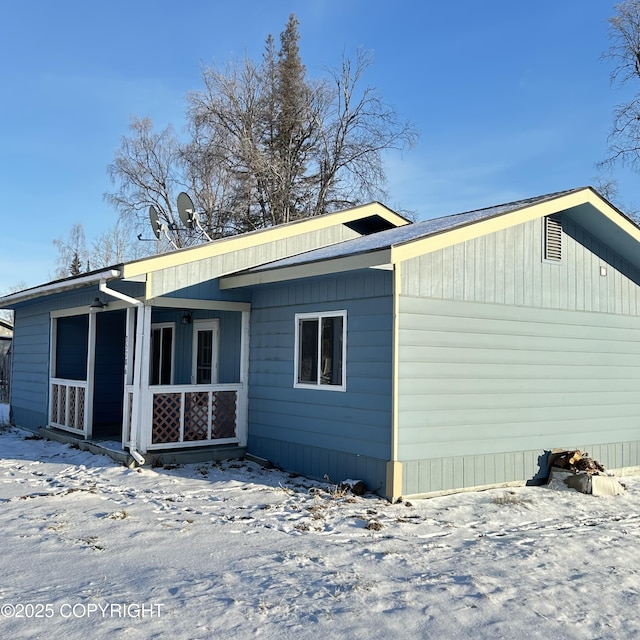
156,458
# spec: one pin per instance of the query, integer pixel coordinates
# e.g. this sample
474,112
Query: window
161,354
204,369
320,350
552,249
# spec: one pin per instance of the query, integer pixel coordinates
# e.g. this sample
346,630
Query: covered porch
163,375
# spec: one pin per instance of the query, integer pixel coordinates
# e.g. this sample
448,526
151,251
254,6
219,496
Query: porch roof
364,219
58,286
584,205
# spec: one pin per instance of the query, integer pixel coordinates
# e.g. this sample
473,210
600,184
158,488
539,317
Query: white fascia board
326,267
192,303
58,287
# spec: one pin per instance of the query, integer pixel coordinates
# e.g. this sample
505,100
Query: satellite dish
155,222
186,210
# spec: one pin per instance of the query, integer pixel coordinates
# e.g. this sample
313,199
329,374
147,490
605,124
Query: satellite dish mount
158,227
188,214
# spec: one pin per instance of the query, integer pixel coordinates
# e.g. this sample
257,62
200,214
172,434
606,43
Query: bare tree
115,246
110,248
266,145
73,257
624,33
146,169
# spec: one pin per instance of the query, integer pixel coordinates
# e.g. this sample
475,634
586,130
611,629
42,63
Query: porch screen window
320,350
161,354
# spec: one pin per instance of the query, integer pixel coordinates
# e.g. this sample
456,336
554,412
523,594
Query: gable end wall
503,356
189,276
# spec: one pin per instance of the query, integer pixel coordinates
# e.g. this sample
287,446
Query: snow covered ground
90,549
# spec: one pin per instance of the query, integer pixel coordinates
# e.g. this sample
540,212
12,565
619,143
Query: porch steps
120,456
190,455
152,458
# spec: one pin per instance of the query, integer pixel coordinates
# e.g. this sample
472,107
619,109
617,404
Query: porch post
140,416
91,366
243,395
129,362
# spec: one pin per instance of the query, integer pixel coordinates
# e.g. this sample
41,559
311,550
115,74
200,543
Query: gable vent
553,239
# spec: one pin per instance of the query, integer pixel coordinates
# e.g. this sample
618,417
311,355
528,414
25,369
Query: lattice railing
194,415
67,404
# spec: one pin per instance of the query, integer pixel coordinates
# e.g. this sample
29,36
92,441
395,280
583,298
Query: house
441,355
6,336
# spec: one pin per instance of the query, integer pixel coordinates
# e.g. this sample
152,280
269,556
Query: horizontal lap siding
30,382
30,377
481,385
319,432
503,357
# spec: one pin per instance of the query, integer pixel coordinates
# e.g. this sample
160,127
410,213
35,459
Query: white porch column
242,428
141,410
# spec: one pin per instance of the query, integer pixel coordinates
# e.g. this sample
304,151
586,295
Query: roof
368,218
58,286
387,247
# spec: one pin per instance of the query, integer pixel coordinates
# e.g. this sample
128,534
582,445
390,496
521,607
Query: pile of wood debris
575,461
577,470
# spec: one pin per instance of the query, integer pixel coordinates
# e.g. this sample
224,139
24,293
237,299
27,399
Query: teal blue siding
321,462
456,472
506,267
197,278
30,372
503,356
320,432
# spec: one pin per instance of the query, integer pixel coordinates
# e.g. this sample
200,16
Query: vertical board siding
186,276
506,267
456,472
322,463
320,432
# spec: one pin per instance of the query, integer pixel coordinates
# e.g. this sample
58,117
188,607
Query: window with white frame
162,353
320,350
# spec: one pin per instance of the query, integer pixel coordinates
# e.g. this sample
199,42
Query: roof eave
366,260
10,301
260,236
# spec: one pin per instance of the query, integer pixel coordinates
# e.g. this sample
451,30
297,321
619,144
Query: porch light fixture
186,318
97,305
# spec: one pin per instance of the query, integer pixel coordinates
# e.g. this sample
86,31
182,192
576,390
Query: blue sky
511,98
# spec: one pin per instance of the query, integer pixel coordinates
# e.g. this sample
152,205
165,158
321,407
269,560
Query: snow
233,550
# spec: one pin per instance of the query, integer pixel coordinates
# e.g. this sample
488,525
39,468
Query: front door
204,368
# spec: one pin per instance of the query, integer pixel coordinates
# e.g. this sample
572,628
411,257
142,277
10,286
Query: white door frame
213,325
